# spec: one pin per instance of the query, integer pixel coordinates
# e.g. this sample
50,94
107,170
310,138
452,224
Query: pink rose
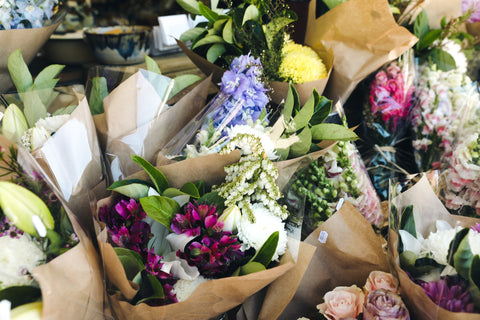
381,280
385,305
342,303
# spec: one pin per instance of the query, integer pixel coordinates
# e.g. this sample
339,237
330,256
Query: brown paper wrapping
119,123
363,36
438,9
473,28
352,250
5,144
30,40
424,201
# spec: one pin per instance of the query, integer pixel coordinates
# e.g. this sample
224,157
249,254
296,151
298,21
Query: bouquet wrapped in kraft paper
214,297
347,250
363,36
418,210
70,280
138,121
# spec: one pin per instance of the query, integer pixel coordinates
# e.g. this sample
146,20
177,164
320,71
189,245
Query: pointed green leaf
474,279
420,27
291,103
192,34
160,209
251,13
21,76
152,65
331,131
407,221
131,261
251,267
208,13
208,40
265,254
213,4
190,189
158,179
98,92
132,188
442,59
227,32
213,198
48,74
215,51
461,252
149,288
65,110
183,81
20,205
301,119
172,192
20,295
333,3
273,27
429,38
34,109
14,123
303,146
321,112
190,6
218,25
200,185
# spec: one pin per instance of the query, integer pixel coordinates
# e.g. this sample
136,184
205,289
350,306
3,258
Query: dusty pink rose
342,303
381,280
385,305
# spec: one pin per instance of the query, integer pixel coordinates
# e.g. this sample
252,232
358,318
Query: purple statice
476,227
450,293
125,225
154,266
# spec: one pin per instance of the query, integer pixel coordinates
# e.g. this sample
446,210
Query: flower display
300,64
384,304
23,14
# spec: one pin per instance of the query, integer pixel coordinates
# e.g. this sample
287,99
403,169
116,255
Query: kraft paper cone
424,201
350,252
363,36
473,28
438,9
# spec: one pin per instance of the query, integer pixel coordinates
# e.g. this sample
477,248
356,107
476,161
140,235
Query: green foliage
262,257
98,92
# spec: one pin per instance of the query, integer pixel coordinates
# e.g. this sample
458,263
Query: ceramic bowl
119,45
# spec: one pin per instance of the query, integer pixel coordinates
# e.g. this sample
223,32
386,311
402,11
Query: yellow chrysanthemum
301,64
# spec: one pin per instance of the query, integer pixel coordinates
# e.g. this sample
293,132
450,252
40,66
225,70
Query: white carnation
18,257
474,242
437,244
53,123
256,130
184,288
255,234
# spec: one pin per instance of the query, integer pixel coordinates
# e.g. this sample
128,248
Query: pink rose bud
385,305
381,280
342,303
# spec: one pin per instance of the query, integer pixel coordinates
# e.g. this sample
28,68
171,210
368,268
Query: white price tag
322,237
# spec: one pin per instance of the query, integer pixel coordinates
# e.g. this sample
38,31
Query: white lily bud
14,123
230,217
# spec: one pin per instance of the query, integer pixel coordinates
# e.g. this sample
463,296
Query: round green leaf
215,51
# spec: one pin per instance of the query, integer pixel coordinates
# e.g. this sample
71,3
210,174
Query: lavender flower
476,227
386,305
450,293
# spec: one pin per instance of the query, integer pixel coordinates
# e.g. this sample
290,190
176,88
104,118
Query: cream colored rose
381,280
342,303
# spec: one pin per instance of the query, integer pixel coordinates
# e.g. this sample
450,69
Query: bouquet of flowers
385,122
236,230
26,13
437,255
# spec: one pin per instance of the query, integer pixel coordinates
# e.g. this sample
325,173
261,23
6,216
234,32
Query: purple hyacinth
450,293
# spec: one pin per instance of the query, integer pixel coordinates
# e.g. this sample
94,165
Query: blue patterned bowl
119,45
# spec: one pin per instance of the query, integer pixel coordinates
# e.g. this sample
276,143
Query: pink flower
385,305
381,280
342,303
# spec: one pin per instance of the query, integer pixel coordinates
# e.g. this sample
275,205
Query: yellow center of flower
301,64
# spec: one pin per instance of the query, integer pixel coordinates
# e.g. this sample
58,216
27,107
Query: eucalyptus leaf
215,52
190,6
160,209
265,254
18,69
183,81
20,295
303,146
251,13
131,261
460,254
208,13
407,221
192,34
331,131
158,179
211,39
152,65
227,32
98,92
14,123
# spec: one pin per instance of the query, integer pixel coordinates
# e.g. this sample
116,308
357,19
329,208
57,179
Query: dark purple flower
385,305
450,293
196,218
154,267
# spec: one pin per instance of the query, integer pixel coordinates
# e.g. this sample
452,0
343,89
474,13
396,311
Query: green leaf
420,27
227,32
461,253
20,295
158,179
407,221
443,22
160,209
190,6
212,39
190,189
442,59
21,76
213,198
205,11
14,123
132,188
283,153
172,193
251,13
34,109
265,254
149,288
429,38
303,146
333,3
474,279
183,81
192,34
255,30
291,102
48,74
302,118
251,267
215,51
152,65
331,131
98,92
218,25
321,112
273,27
200,185
131,261
20,205
65,110
214,4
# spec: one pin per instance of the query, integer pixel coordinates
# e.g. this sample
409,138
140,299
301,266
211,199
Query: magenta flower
154,267
449,293
196,218
476,227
